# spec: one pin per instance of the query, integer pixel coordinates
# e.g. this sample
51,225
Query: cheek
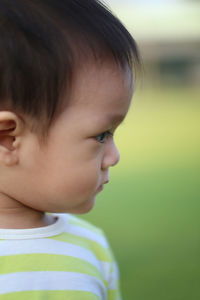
73,179
69,170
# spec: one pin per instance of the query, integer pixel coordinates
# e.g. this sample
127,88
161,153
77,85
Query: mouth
100,188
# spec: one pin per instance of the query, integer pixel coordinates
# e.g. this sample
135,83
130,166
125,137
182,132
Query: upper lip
106,181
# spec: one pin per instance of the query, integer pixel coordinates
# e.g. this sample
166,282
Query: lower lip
100,188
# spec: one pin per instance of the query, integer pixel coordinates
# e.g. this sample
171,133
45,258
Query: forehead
101,91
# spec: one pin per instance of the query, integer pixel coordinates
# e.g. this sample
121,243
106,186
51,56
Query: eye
102,137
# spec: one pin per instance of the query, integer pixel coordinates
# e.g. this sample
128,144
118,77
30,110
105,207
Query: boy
65,86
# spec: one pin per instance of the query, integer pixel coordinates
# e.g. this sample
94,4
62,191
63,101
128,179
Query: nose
111,155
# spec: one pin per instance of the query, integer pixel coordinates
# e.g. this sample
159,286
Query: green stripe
46,262
71,239
102,253
50,295
113,295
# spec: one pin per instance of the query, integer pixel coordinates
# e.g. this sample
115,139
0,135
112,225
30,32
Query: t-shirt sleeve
107,265
113,277
114,292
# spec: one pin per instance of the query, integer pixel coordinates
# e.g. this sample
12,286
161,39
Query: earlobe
8,158
11,127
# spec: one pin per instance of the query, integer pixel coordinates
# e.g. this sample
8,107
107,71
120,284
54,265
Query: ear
11,127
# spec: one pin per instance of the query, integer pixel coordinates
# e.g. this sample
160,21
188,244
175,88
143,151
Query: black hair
40,41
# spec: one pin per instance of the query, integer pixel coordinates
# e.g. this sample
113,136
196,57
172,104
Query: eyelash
105,135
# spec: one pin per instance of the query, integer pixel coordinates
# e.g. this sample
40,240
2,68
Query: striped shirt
70,259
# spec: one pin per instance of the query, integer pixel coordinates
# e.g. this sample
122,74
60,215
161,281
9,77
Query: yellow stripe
50,295
113,295
102,253
46,262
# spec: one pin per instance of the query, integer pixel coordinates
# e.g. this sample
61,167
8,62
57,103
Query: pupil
102,136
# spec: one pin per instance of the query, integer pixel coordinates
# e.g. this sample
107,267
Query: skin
66,173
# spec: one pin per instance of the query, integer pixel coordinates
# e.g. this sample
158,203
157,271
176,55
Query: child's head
65,85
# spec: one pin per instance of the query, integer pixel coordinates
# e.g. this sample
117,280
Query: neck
15,215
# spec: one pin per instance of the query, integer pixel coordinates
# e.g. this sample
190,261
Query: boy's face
66,174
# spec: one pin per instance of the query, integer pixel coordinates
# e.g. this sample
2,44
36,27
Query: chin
84,208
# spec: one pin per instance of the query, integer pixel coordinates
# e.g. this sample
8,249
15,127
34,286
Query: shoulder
87,230
85,235
99,245
92,246
77,221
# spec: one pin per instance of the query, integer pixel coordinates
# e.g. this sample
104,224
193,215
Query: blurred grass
150,210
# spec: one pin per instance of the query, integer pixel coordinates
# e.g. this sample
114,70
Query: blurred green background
150,209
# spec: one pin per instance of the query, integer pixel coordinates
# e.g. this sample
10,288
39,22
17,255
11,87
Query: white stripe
48,246
116,269
114,277
32,281
88,234
105,270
